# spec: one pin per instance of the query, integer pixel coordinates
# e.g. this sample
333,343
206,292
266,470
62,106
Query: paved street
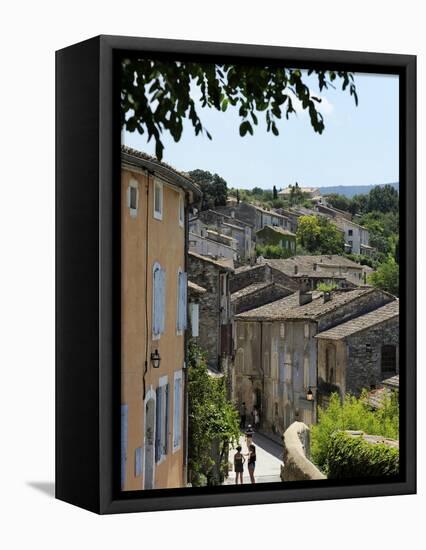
268,463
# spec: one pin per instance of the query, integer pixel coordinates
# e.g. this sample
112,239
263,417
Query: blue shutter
166,427
158,425
176,412
138,461
124,417
162,300
156,302
184,279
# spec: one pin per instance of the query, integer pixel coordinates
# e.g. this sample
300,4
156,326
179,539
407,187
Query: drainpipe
186,344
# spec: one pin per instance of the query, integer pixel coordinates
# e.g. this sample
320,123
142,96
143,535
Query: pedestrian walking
239,465
243,415
251,463
256,418
249,435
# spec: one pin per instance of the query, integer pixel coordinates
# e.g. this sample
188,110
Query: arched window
388,359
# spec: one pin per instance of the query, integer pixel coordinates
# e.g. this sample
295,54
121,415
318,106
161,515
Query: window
158,200
195,316
181,302
133,198
350,232
306,330
181,211
388,359
158,301
177,410
161,419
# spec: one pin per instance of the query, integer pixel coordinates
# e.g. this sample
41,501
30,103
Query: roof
221,235
140,159
364,322
249,289
376,397
305,264
196,288
342,222
277,229
222,264
289,308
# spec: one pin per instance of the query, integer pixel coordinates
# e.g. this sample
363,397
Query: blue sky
359,145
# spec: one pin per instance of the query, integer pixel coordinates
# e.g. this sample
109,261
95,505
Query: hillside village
281,325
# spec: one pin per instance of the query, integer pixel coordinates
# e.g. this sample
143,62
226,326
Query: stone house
275,364
209,242
256,216
257,294
260,273
310,192
387,387
360,353
278,236
155,200
331,267
215,335
195,292
237,229
357,237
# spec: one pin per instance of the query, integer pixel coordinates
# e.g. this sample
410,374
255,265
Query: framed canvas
235,274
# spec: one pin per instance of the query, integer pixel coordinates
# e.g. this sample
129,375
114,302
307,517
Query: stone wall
364,355
206,274
360,306
297,466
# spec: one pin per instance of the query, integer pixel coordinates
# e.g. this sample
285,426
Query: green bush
273,251
353,414
354,457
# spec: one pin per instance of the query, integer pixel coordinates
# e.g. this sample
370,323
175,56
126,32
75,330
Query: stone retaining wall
297,465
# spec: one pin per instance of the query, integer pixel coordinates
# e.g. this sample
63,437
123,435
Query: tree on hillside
383,199
339,201
213,187
317,235
157,96
296,194
274,193
386,277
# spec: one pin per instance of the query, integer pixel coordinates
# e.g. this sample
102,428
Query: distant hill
351,190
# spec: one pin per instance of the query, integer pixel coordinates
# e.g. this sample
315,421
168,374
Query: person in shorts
251,463
239,465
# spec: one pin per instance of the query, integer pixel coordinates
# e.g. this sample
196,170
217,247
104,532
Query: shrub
273,251
353,414
354,457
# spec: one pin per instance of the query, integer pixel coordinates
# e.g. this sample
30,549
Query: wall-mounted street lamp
309,394
155,359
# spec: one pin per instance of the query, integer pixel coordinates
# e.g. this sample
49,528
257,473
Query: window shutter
162,301
177,412
138,461
158,423
156,298
195,320
124,417
166,423
183,283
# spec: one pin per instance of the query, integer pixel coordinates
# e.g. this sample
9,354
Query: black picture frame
88,268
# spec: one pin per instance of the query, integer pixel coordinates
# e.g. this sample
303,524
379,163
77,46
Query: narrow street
268,463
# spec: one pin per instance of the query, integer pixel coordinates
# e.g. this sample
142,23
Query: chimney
327,296
305,294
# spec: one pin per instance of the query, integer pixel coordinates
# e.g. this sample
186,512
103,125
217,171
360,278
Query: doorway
149,438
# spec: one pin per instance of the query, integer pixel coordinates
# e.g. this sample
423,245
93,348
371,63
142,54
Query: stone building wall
364,351
360,306
206,275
